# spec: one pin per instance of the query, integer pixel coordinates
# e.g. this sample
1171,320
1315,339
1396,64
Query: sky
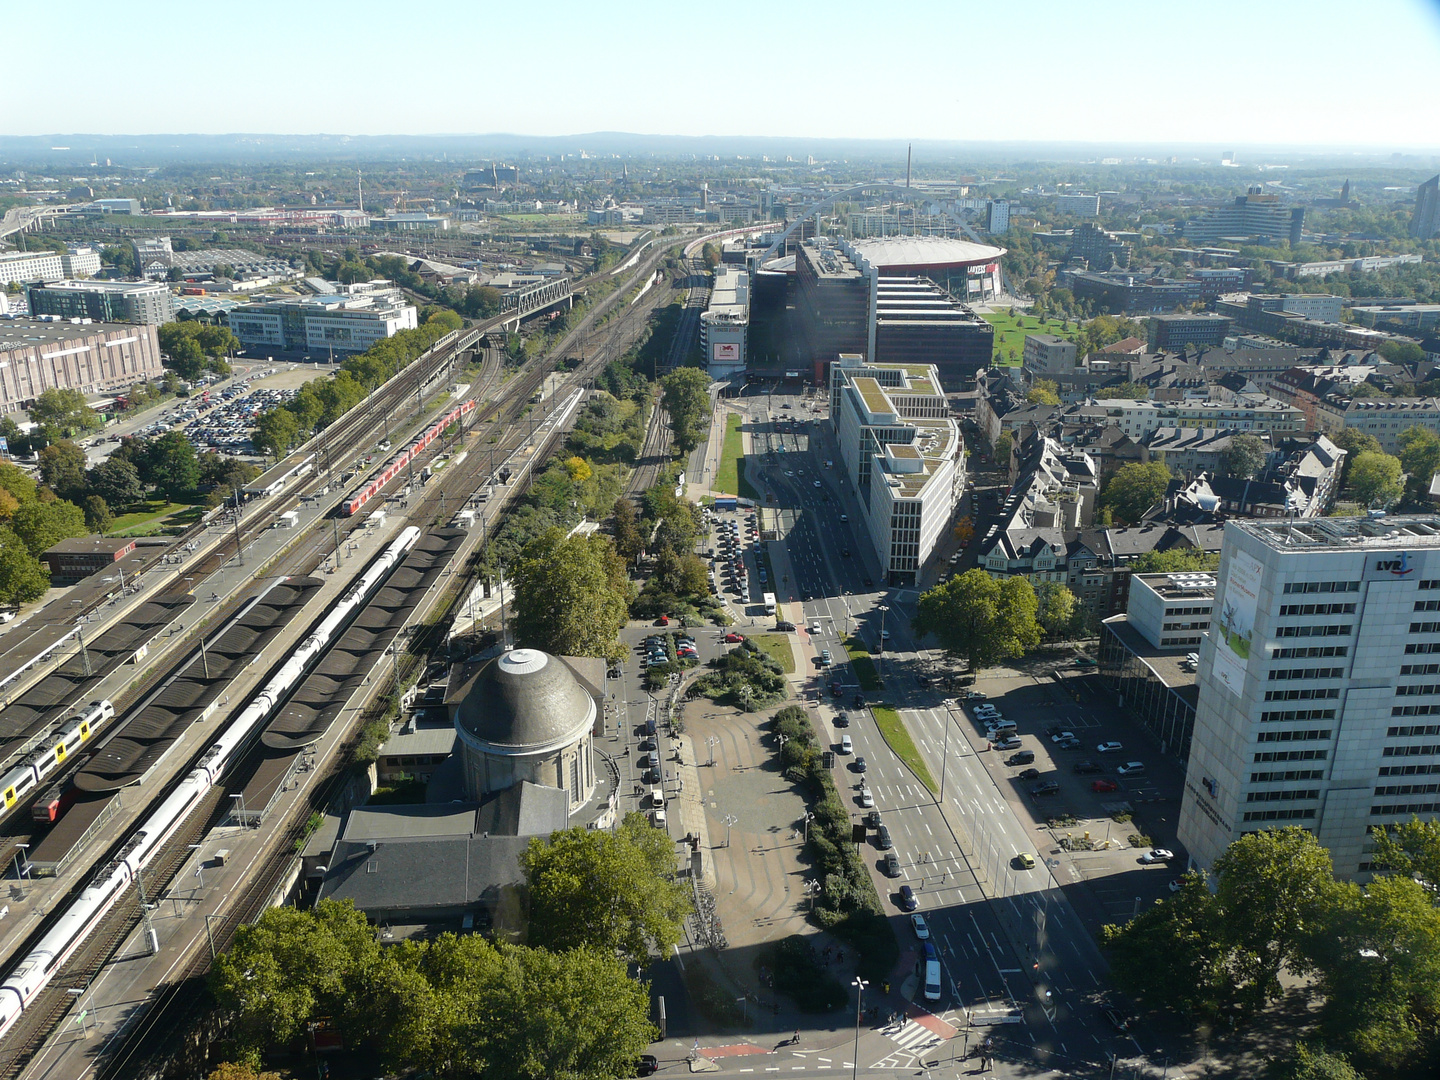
1274,73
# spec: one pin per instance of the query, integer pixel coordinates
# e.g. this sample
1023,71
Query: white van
931,972
846,745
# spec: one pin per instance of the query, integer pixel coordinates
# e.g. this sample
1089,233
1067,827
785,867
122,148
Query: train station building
524,765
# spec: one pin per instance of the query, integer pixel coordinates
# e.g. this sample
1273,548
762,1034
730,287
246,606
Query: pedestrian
887,987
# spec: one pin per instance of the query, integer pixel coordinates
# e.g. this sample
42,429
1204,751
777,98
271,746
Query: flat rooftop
1181,585
1165,663
898,252
24,333
1345,534
829,262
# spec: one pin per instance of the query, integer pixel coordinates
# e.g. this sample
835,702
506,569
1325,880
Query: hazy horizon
1285,76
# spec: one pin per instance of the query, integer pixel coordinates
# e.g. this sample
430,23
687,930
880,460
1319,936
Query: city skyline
1100,73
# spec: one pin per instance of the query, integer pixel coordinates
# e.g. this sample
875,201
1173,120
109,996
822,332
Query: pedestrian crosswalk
914,1038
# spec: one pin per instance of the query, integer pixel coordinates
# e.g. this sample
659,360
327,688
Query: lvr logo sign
1390,568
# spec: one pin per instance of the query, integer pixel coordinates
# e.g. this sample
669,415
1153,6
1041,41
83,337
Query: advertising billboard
723,351
1235,624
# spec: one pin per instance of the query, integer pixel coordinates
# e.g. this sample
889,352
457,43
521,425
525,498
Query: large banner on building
725,351
1235,625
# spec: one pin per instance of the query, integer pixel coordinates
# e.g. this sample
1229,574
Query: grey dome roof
525,701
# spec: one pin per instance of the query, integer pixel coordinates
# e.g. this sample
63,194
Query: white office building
28,267
902,450
343,322
725,325
1319,685
1171,611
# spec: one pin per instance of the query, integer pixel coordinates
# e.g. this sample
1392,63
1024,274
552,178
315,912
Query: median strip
897,737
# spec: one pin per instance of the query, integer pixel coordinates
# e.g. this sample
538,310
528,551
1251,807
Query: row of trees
556,1000
982,620
321,402
1371,952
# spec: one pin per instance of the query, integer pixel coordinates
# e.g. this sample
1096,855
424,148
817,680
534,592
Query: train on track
376,483
68,738
275,487
85,912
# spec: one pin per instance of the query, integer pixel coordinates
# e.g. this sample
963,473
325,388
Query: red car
1104,785
731,639
663,620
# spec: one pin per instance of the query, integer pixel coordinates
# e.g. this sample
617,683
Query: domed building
529,716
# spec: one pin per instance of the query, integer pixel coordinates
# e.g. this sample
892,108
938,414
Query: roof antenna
908,148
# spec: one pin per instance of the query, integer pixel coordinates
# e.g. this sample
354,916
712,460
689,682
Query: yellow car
1026,860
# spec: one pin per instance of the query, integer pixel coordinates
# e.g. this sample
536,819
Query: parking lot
1092,801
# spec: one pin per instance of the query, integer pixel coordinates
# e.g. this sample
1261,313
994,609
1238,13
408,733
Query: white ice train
63,742
85,912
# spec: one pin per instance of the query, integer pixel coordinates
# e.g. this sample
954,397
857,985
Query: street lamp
860,985
809,816
729,819
208,935
19,870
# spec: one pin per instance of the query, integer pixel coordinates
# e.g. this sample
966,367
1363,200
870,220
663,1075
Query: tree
611,891
1176,561
42,524
1354,442
1044,392
686,397
629,541
186,358
579,469
1137,391
63,413
1244,457
1374,479
62,468
1273,888
1410,847
1401,352
1004,443
1135,488
1173,954
1419,457
1303,1063
173,465
571,595
963,530
1056,608
979,618
276,431
23,577
97,514
1378,951
224,472
291,966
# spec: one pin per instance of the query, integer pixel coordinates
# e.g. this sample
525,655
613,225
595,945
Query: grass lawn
747,490
727,477
155,516
777,646
893,728
1011,330
863,666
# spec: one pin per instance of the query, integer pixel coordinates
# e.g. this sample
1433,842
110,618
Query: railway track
451,484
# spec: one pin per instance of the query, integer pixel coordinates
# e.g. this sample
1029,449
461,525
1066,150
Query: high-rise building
997,217
1425,222
1101,250
1319,703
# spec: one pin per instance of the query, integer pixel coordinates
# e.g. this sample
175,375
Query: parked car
1068,744
1157,855
1049,787
1087,767
1029,774
1010,742
1062,736
1103,786
1130,768
1109,747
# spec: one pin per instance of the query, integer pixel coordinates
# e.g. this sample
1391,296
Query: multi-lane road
1010,941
